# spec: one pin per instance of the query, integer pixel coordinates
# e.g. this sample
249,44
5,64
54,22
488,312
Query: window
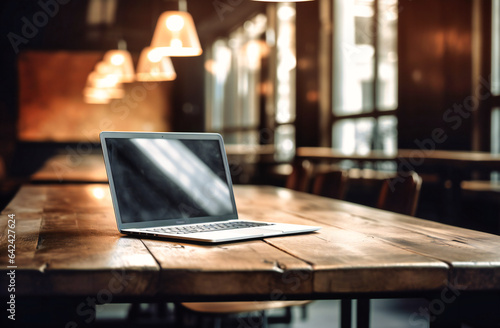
495,48
233,81
495,81
250,85
365,76
284,96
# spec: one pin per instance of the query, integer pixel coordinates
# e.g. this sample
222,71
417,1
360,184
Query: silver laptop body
178,185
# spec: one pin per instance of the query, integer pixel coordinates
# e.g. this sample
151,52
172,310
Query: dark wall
61,25
434,60
48,25
435,74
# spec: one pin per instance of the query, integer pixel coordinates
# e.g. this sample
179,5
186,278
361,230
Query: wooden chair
400,194
301,175
364,186
330,183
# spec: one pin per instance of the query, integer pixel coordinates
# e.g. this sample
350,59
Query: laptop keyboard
207,227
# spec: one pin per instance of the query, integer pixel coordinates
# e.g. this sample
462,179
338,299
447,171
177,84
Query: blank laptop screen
164,179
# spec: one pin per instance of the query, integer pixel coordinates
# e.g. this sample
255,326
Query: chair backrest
300,177
364,186
331,183
400,194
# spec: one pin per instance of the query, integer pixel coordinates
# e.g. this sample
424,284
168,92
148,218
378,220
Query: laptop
178,186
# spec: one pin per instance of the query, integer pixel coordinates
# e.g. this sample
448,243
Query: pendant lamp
102,87
175,34
153,66
96,96
102,81
120,64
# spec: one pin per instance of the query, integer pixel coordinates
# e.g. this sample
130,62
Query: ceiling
80,24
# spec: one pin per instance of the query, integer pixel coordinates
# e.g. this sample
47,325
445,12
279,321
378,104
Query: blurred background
356,76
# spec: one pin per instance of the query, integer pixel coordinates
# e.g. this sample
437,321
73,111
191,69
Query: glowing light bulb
98,193
175,23
286,13
175,35
154,56
176,43
117,59
110,81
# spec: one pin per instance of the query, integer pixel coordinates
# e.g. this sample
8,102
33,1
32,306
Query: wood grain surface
67,243
72,168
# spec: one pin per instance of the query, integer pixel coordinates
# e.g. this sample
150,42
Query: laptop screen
156,179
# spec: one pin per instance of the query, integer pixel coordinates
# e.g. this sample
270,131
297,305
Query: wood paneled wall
308,68
435,73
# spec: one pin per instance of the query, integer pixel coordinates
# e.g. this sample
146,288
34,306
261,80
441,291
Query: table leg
345,313
446,316
363,313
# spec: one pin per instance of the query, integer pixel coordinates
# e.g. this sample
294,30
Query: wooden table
89,168
413,159
72,168
452,167
67,247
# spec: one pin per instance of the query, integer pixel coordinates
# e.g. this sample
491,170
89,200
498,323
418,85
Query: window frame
376,112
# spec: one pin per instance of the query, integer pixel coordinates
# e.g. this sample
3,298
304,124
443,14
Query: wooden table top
67,243
72,168
443,157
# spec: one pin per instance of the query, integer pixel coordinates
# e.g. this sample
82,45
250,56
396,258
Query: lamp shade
102,81
102,87
96,96
120,64
175,35
154,67
110,93
102,95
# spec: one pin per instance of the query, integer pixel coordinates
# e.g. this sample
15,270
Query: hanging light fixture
102,81
153,66
120,64
94,95
175,34
101,86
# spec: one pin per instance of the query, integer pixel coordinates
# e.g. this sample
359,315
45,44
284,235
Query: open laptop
178,185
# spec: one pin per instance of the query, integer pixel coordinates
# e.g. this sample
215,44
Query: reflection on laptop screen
162,179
